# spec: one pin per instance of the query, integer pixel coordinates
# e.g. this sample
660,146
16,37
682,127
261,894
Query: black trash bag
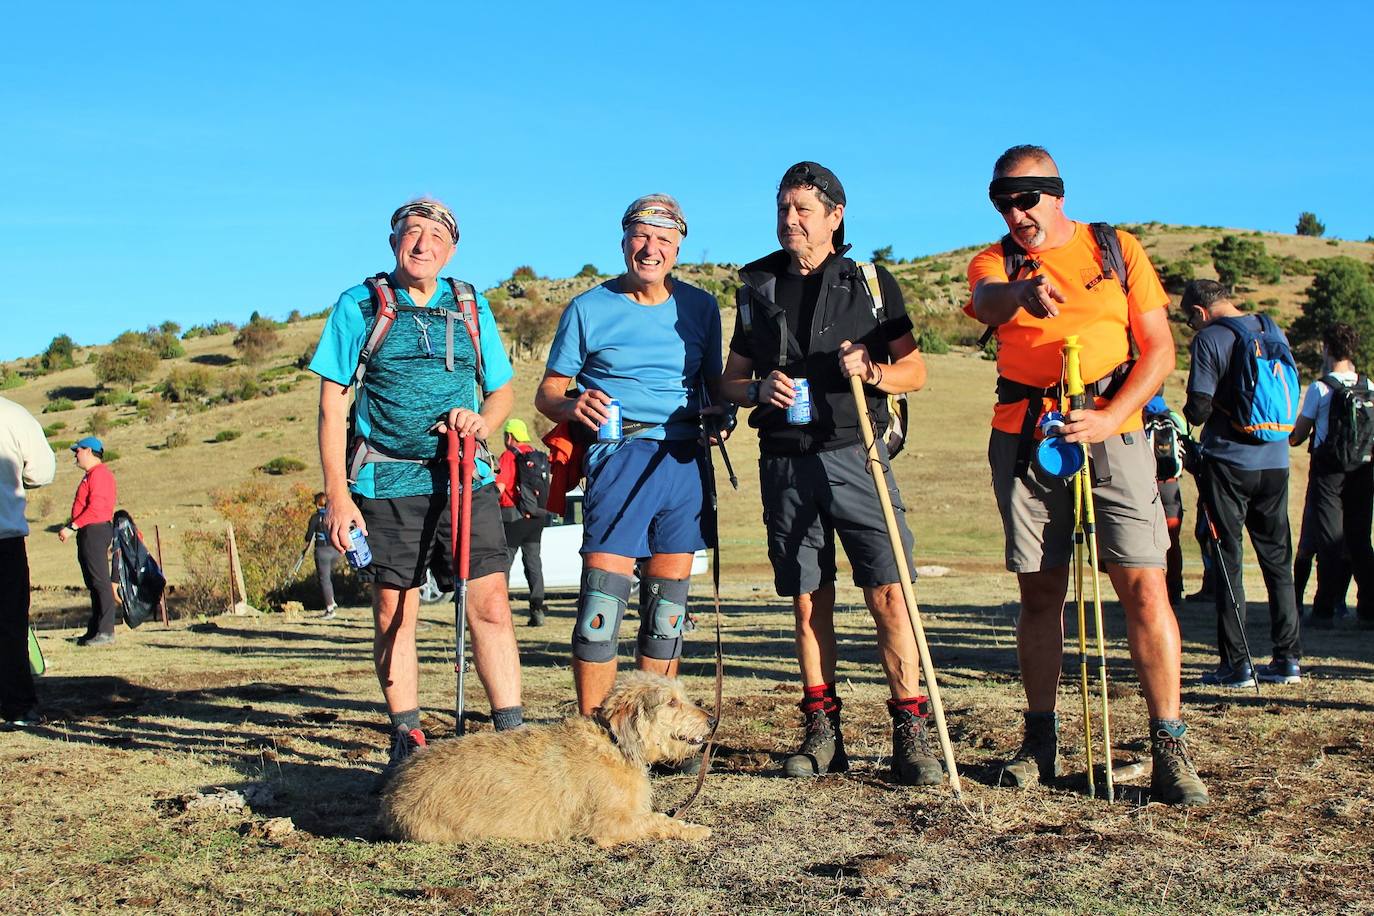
137,574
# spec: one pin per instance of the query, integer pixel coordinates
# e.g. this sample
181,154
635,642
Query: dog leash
720,655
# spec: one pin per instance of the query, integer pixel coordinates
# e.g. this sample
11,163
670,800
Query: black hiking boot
822,748
915,759
536,615
1038,757
1174,780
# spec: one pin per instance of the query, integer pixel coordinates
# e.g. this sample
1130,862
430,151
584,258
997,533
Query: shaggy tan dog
584,777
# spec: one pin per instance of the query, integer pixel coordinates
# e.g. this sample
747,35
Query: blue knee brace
662,611
600,609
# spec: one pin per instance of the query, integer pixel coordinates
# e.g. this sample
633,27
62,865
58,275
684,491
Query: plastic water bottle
359,555
799,412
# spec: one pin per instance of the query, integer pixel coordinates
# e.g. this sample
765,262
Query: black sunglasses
1022,202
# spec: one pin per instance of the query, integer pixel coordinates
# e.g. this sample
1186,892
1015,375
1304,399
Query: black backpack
1349,425
532,478
1164,437
134,570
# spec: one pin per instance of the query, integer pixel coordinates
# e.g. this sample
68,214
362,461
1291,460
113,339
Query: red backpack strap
465,296
385,300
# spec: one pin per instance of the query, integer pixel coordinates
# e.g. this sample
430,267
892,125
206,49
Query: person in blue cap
92,521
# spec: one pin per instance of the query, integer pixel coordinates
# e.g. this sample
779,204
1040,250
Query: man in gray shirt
26,461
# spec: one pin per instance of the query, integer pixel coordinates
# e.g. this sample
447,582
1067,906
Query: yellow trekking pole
1086,529
875,467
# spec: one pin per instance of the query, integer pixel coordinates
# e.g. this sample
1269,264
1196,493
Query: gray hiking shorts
1037,513
809,499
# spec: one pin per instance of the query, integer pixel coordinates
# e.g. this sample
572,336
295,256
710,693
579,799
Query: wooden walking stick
875,468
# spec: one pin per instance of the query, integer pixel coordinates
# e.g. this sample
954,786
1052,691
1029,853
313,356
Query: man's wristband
751,394
70,527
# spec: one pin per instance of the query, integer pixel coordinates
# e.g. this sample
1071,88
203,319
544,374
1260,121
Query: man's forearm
995,303
496,408
333,447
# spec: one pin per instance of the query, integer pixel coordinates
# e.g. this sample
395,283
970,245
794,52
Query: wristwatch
752,392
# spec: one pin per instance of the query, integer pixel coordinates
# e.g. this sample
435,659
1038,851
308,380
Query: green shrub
238,385
283,465
61,445
110,455
10,379
524,272
57,405
1270,301
930,340
227,435
176,439
1308,224
589,270
154,409
53,429
98,423
1341,291
1236,258
1175,275
1333,242
58,355
257,340
125,362
114,398
186,383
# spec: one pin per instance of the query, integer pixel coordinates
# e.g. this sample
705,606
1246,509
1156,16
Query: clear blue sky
195,161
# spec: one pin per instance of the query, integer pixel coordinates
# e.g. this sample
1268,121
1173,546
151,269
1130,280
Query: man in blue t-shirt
1244,485
652,343
421,380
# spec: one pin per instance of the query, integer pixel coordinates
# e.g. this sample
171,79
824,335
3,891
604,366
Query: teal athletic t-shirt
650,357
407,386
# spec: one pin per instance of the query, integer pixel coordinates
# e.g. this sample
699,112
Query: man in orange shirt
1064,282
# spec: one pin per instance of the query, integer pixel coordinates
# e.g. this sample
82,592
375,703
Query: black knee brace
662,611
600,609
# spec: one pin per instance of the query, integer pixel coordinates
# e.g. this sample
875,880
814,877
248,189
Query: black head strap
1008,187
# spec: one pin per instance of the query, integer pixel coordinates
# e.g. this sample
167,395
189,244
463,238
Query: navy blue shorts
646,496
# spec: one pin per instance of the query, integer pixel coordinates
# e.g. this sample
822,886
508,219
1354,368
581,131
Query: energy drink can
799,413
610,431
359,555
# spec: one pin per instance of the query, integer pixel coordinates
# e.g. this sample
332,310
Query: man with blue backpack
1243,392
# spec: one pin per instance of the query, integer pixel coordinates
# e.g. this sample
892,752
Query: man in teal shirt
423,378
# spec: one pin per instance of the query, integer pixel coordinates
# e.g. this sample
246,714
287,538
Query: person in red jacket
523,532
92,523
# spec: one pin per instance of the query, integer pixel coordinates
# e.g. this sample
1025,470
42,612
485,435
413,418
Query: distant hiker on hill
523,480
808,319
1338,412
1244,479
326,554
641,348
1047,279
92,522
441,364
26,462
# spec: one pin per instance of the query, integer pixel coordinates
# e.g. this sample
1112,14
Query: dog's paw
695,833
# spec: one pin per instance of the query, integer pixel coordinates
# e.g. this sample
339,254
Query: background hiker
424,376
1045,280
523,480
806,312
326,554
92,522
1338,412
26,462
1244,482
644,345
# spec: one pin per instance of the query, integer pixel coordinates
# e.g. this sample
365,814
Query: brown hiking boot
915,761
1038,757
1175,780
822,749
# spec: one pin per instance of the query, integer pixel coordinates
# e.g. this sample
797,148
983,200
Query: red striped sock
919,706
819,697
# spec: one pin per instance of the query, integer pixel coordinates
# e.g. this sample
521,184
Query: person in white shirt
26,462
1340,488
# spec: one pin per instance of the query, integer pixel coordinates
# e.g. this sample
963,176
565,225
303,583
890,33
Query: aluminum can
359,555
799,414
610,431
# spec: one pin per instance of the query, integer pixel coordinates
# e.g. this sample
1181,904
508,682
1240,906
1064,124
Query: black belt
1010,392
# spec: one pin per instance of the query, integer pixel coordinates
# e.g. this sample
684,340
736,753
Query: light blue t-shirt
407,386
650,357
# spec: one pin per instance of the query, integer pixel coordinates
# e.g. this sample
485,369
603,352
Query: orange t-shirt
1096,309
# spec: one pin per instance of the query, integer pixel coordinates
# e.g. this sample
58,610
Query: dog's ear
622,714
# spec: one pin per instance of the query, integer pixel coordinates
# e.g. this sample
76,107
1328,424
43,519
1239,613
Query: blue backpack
1264,381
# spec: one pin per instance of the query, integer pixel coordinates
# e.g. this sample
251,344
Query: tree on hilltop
589,270
1308,224
1236,258
257,340
1341,291
58,355
882,255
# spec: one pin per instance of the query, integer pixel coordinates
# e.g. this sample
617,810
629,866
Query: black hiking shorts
408,533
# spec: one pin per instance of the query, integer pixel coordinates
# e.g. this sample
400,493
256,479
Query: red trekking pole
460,469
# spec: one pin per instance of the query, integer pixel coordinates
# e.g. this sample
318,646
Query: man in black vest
806,313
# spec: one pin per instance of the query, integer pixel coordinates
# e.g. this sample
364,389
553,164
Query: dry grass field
101,809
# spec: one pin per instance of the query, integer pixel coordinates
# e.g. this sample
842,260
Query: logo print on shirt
1090,278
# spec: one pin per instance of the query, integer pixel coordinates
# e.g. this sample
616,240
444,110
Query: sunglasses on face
1022,202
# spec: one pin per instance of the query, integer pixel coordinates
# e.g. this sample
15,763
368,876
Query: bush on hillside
177,438
154,409
282,465
10,379
185,384
930,340
57,405
1236,258
53,429
125,363
58,355
227,435
257,341
1175,275
882,255
238,385
209,330
524,272
98,423
1308,224
589,270
1341,291
113,398
303,361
